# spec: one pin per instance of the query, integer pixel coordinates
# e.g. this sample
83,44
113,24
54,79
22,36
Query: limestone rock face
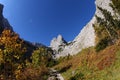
86,37
58,42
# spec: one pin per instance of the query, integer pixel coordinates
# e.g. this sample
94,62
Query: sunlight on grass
92,65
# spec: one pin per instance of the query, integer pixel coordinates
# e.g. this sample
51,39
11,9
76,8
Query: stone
86,37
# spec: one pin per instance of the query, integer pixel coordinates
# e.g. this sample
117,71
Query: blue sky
41,20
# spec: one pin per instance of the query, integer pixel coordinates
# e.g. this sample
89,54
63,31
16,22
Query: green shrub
102,44
52,63
78,76
116,5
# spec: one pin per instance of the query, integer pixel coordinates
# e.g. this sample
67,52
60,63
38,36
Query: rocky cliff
3,21
86,37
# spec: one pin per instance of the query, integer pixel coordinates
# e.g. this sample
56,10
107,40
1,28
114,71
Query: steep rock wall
86,37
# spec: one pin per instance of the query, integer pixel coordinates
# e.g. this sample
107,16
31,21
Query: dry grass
91,60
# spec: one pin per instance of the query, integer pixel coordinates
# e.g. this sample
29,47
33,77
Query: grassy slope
89,65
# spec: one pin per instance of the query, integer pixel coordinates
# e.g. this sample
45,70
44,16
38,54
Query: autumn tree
37,69
12,52
41,56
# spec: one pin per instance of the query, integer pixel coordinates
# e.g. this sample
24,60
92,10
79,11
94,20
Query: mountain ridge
86,37
3,21
97,49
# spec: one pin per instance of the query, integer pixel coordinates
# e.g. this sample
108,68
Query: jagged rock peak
1,8
3,21
61,39
57,42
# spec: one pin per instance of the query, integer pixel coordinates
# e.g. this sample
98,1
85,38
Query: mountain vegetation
20,60
102,61
14,62
107,29
92,65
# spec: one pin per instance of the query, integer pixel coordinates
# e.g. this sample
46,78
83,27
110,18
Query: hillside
91,65
100,62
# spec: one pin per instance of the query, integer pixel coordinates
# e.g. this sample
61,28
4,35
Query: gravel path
55,75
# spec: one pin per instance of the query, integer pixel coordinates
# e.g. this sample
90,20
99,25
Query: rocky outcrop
58,42
3,21
86,37
54,75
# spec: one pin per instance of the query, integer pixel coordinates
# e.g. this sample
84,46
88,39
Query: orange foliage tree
12,52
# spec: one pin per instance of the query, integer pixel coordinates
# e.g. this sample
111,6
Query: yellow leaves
1,56
16,56
6,32
12,48
3,38
17,74
20,67
10,40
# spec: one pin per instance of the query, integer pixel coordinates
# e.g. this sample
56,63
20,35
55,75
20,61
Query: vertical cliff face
86,37
3,21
